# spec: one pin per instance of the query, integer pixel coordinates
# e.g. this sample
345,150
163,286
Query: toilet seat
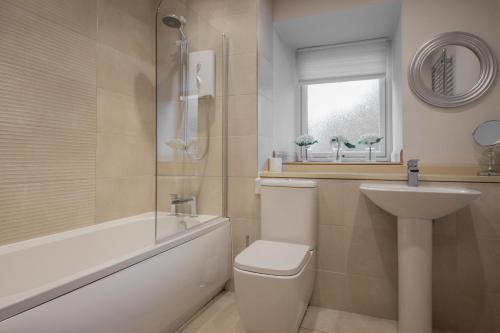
273,258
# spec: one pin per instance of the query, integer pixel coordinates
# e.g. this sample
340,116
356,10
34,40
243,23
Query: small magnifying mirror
488,135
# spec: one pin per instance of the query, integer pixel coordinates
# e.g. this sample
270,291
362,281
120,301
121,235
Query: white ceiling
359,23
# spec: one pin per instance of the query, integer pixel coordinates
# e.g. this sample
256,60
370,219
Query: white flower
369,139
339,139
305,140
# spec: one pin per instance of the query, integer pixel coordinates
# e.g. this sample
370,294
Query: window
345,91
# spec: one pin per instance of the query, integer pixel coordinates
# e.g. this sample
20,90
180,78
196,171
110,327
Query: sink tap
175,200
412,173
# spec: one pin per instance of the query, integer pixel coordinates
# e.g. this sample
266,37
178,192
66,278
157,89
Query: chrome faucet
412,173
175,200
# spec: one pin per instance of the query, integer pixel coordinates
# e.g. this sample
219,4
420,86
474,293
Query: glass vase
337,154
371,155
301,155
304,154
308,154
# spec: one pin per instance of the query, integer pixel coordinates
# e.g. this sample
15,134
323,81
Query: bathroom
155,176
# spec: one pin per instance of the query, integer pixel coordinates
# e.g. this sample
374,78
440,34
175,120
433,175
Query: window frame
385,114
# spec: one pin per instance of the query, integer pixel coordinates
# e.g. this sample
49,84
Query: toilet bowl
273,291
274,277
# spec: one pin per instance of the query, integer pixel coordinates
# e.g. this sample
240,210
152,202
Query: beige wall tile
241,6
493,301
306,330
241,229
489,250
50,71
242,201
143,10
242,115
331,202
34,98
445,254
209,195
372,296
210,117
123,156
445,286
76,15
123,114
482,215
480,314
331,290
121,73
119,29
333,242
33,209
243,74
372,251
33,154
465,252
47,132
445,304
40,44
242,152
211,163
122,197
241,29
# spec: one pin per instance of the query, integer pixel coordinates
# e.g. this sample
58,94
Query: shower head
174,21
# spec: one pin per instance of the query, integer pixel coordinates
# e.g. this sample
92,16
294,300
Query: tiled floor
221,316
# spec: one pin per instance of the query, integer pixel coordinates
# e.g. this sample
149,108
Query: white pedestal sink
415,208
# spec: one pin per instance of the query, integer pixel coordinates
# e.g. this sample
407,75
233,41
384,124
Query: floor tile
354,323
221,316
320,319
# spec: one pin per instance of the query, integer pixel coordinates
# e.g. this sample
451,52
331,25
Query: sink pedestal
415,275
415,208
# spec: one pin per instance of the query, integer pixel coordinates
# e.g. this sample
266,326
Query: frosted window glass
349,108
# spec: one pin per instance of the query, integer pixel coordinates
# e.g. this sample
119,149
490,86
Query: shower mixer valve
175,201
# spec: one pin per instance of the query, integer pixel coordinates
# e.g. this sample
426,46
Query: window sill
379,171
343,163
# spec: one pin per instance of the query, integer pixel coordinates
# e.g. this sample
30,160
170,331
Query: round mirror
488,133
452,69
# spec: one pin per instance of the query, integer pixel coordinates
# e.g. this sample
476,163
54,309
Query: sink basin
424,202
415,208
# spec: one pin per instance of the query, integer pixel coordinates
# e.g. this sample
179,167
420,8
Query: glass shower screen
191,118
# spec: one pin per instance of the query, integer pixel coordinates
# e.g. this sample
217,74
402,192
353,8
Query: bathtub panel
153,296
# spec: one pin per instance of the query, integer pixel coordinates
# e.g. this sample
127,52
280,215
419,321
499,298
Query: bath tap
412,173
175,200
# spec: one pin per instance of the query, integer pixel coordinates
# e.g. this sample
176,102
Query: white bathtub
112,277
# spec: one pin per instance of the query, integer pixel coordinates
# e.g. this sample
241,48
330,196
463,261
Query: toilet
274,277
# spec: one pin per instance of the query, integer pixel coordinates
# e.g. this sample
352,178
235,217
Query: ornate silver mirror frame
487,62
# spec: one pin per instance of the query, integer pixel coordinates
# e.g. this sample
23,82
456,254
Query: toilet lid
272,258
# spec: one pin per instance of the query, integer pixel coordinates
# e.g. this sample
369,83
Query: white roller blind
338,61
